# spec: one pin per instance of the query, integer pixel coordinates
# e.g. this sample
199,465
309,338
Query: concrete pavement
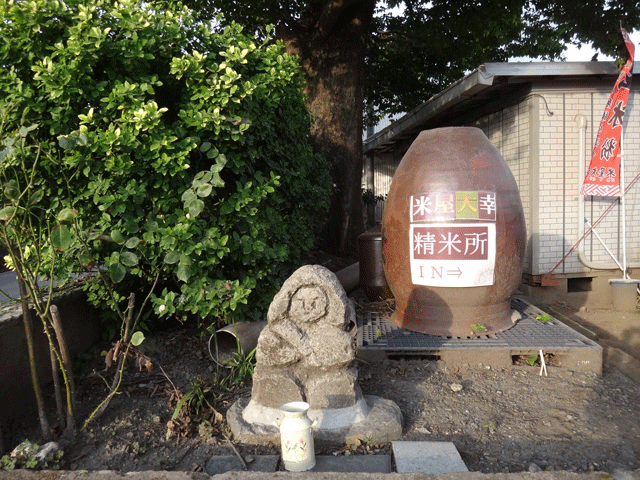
411,461
105,475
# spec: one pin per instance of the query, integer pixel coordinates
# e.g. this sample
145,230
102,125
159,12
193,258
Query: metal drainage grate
377,332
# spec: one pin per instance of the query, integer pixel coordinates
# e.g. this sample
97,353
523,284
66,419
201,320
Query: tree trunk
332,51
33,364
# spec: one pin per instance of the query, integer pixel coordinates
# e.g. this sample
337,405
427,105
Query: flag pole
623,208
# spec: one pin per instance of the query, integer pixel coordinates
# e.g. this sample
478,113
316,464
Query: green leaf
86,260
176,412
185,259
6,153
7,212
129,259
184,272
36,196
25,130
188,195
151,226
217,181
132,242
131,226
61,237
117,272
226,208
137,338
172,257
66,143
201,178
11,190
196,207
204,190
67,215
221,161
116,236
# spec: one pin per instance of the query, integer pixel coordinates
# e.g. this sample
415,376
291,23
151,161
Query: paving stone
230,463
324,463
431,458
353,463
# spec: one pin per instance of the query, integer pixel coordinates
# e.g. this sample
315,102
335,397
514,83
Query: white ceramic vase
296,437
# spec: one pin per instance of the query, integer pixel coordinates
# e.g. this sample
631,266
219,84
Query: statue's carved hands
290,332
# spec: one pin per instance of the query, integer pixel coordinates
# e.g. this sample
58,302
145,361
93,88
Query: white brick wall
559,177
560,182
632,161
508,130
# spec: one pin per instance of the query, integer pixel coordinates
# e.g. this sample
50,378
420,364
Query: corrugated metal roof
489,84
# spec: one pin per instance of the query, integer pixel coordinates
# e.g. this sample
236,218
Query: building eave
490,79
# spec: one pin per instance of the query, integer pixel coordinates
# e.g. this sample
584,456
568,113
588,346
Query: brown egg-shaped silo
453,235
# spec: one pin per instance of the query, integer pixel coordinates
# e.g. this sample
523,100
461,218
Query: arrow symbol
454,272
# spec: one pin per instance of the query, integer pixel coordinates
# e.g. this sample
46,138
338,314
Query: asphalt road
9,286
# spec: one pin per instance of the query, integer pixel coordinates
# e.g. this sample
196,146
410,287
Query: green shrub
180,150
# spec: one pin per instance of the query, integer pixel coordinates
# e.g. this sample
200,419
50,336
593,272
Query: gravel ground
500,421
516,420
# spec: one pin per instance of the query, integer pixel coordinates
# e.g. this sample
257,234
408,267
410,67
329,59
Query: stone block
353,463
333,389
275,388
230,463
431,458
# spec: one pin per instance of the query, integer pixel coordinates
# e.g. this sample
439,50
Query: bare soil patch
500,421
614,329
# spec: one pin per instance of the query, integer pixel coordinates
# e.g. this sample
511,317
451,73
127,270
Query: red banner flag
603,176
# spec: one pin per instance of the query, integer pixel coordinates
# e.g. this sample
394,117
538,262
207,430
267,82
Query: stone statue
305,353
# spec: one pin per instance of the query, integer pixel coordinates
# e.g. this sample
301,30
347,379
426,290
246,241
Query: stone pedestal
376,420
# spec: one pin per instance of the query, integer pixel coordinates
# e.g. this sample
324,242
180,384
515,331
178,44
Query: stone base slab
324,418
382,424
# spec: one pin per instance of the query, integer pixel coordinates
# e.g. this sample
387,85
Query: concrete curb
570,323
628,365
162,475
613,357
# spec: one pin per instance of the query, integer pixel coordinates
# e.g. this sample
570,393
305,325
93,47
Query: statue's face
308,304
